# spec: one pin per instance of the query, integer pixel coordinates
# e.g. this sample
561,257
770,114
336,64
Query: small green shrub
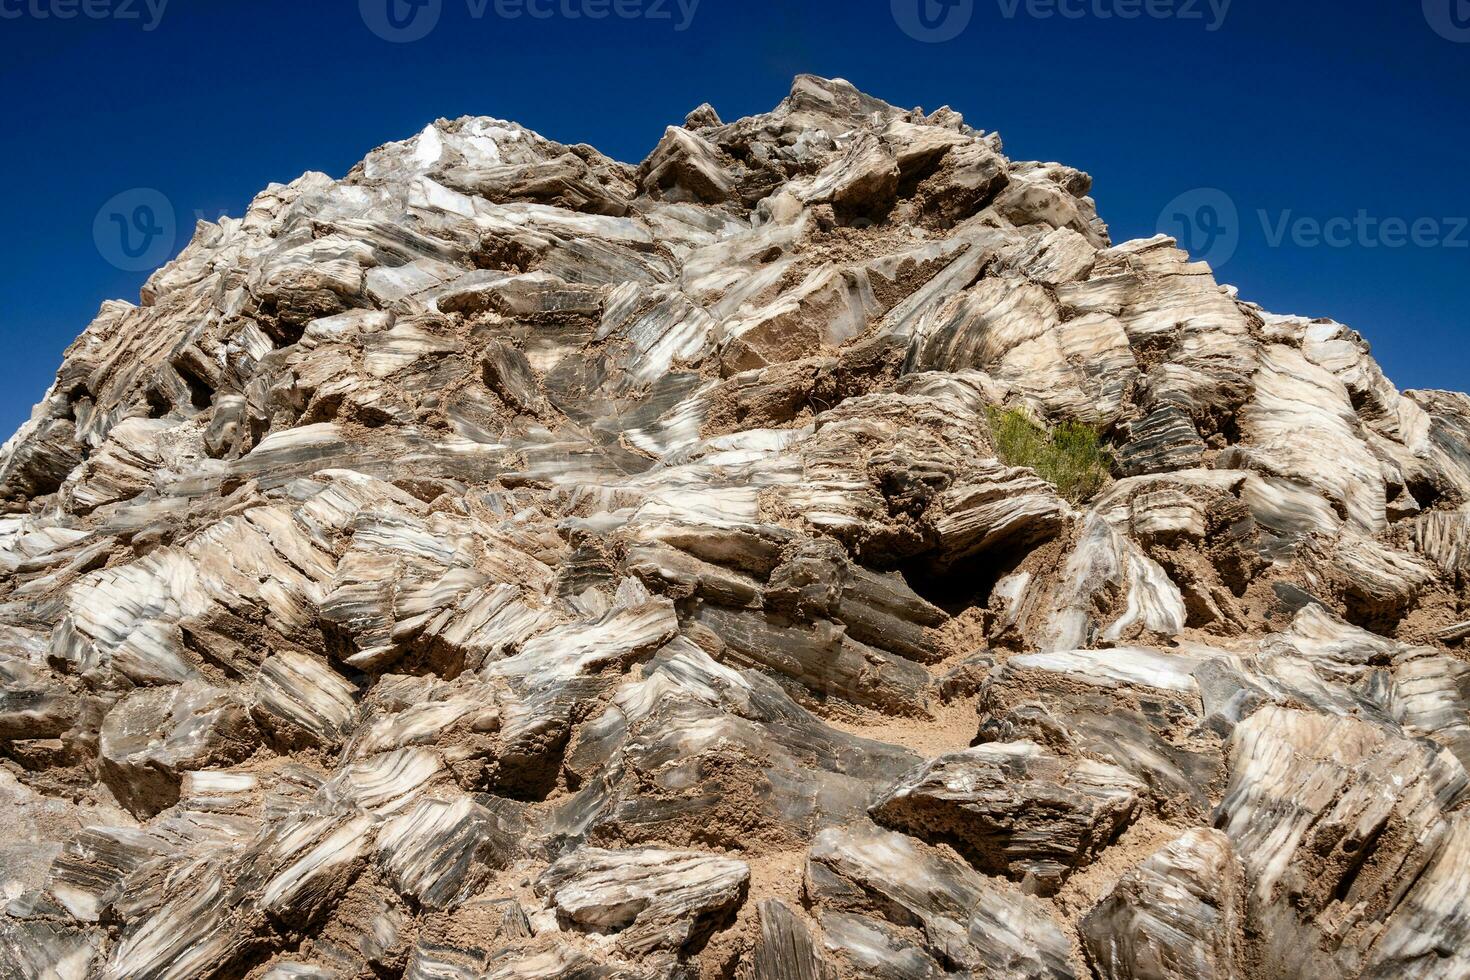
1070,457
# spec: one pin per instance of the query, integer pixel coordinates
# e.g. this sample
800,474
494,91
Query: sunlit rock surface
508,562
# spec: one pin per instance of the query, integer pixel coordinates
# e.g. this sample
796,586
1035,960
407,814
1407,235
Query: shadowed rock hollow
506,562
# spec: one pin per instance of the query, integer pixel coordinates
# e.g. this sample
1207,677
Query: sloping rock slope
506,562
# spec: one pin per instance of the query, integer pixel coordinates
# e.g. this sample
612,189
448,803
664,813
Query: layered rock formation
505,562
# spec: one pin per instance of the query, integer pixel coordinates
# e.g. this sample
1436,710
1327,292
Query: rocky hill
506,562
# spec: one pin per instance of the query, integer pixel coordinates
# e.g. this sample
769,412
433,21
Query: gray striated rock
650,899
152,737
961,921
785,950
1163,440
34,702
1140,710
301,698
442,853
1178,914
41,949
1335,815
702,753
1015,809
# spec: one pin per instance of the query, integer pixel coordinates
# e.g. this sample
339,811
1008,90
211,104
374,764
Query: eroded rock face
1016,809
507,562
1331,814
1177,914
868,885
651,899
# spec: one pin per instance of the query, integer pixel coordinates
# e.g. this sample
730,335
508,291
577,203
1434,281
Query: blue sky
1334,135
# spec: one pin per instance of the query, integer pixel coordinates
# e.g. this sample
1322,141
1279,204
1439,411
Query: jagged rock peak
816,551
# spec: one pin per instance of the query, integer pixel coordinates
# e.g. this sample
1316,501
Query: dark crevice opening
158,403
201,395
966,584
1425,493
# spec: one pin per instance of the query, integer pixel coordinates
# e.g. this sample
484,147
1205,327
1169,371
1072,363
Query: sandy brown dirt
952,730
